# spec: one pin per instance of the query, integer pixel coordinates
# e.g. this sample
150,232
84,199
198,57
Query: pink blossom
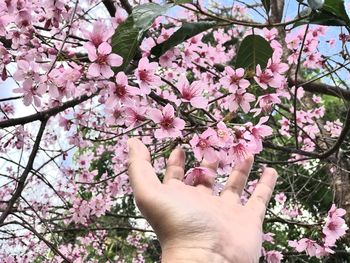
224,163
292,212
27,70
268,237
119,16
266,102
305,244
275,65
316,99
334,128
284,127
166,60
100,205
100,33
134,114
234,80
266,78
240,99
146,46
270,34
203,145
335,226
258,132
64,81
280,198
336,212
300,92
164,34
103,60
87,176
145,75
223,134
192,92
115,114
239,150
195,176
273,256
31,93
120,90
170,126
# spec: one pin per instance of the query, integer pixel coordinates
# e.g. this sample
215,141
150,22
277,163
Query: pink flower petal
94,70
106,71
155,115
199,102
104,48
115,60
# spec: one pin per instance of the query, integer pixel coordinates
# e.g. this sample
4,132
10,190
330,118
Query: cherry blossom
234,80
273,256
100,33
240,98
120,90
31,93
103,60
335,226
266,78
196,175
145,75
170,126
203,145
192,93
280,198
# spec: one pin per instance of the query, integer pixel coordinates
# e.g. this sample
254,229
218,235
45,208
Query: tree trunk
341,187
340,178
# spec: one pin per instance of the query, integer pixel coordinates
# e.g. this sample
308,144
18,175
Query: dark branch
110,7
23,178
322,88
126,5
324,155
47,113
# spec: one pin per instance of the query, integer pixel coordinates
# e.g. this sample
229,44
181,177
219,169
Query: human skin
191,223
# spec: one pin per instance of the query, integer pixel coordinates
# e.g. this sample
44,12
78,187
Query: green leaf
333,13
185,32
267,5
337,8
322,18
144,15
254,50
125,42
128,34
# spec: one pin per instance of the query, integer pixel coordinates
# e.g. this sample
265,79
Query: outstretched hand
191,223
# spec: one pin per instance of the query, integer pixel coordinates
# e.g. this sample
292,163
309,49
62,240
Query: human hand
191,223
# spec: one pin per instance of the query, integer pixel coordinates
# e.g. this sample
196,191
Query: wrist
193,254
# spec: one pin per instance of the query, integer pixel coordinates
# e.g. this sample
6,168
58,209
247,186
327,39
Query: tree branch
323,155
47,113
322,88
126,5
23,178
110,7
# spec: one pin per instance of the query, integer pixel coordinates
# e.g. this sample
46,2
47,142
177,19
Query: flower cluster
236,143
333,229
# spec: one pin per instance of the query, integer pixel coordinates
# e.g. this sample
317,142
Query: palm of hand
187,217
